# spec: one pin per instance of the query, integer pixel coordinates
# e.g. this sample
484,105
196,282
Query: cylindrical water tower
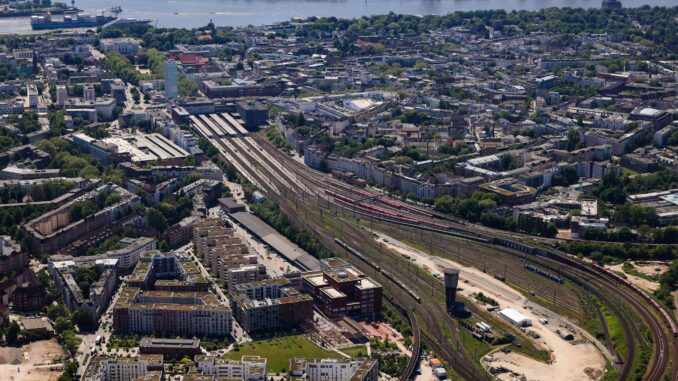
451,282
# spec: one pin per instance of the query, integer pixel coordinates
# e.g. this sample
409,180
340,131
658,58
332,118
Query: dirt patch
651,269
568,369
38,361
570,362
11,356
638,281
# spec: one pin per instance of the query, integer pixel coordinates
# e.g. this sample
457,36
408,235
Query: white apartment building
32,94
335,369
249,368
128,256
128,369
120,45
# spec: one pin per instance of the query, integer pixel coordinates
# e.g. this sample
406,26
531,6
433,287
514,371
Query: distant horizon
238,13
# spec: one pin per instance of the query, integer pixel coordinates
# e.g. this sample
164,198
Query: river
193,13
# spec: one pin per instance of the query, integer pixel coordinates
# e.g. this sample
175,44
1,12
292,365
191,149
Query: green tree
444,204
12,333
156,220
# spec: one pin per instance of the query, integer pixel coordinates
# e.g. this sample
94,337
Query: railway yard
344,216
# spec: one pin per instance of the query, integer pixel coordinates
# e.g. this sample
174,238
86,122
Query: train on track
385,273
543,273
499,241
593,267
644,295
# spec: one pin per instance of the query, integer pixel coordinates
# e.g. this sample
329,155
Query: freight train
485,238
644,295
571,262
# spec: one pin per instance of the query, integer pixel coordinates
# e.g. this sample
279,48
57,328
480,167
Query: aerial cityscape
346,190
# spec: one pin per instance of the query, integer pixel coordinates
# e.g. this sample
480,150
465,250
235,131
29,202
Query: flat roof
277,241
333,293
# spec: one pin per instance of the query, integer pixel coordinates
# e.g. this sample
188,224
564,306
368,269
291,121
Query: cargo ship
69,20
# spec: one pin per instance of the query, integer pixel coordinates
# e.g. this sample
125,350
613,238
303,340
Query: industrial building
664,203
451,282
147,147
515,317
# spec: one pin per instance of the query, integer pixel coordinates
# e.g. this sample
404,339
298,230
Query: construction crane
116,10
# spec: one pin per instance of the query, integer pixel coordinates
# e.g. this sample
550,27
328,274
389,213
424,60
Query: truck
98,339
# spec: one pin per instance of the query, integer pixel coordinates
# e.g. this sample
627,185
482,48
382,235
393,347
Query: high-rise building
32,92
61,95
171,80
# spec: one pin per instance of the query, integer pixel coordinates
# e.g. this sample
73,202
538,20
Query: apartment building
360,369
269,305
115,368
167,295
55,229
171,313
128,255
63,270
12,257
249,368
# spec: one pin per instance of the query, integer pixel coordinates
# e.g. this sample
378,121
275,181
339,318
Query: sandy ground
651,268
426,371
638,281
31,362
571,362
578,369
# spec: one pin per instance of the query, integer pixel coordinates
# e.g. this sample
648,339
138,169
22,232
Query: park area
279,350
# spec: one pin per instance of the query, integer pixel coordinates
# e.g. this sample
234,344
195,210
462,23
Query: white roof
514,315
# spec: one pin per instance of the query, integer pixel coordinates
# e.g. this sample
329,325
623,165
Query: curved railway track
434,316
306,183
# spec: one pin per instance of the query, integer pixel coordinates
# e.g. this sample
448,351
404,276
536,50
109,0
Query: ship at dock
69,20
73,18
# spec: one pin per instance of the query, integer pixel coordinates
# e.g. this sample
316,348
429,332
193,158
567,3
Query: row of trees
607,251
660,21
272,215
40,192
469,208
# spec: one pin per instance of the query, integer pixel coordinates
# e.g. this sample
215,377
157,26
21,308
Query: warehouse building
515,317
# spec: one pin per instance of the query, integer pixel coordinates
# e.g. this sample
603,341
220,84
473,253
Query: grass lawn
278,351
355,351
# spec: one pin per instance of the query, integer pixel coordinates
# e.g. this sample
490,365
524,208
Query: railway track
310,184
433,315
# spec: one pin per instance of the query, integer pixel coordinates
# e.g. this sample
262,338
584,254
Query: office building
341,289
171,80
